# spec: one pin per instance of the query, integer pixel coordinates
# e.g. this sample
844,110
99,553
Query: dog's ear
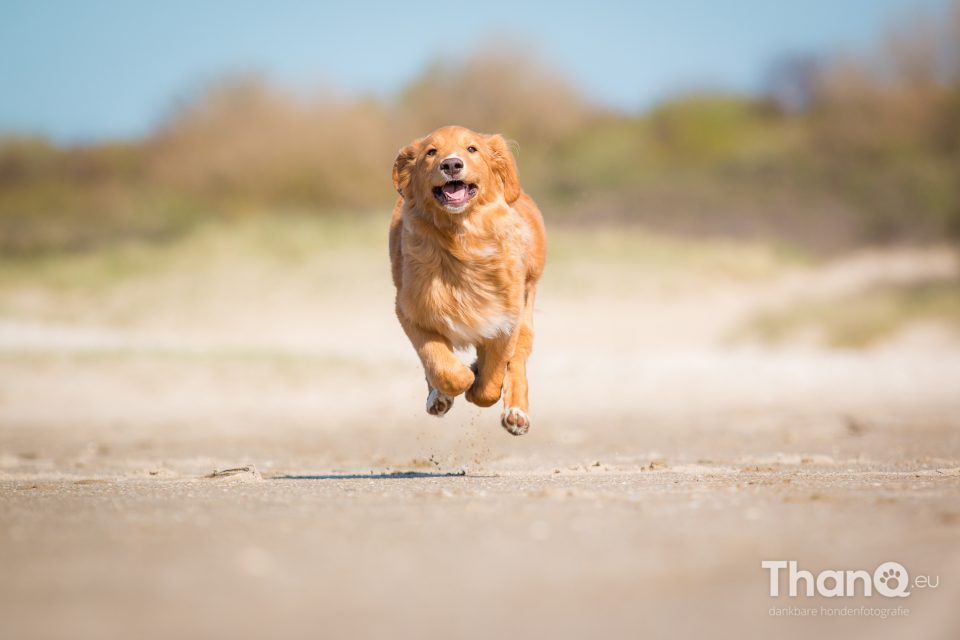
504,167
403,167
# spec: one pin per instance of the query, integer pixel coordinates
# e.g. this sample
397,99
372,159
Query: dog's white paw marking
516,421
438,404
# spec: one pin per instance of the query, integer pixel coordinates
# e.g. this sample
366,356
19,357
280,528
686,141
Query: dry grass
863,319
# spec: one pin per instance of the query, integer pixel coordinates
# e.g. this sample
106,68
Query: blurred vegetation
863,319
837,153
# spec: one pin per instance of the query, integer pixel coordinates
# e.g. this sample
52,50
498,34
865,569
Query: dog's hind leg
515,418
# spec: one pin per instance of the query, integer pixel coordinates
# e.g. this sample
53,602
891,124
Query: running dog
467,247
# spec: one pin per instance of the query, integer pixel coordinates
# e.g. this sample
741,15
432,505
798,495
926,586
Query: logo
890,580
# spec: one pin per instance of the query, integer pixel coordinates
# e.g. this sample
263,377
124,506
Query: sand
663,466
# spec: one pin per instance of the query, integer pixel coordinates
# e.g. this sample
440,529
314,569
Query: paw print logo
891,579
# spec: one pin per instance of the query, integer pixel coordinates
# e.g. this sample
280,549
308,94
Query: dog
467,247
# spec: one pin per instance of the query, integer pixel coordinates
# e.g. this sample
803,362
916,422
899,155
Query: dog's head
454,169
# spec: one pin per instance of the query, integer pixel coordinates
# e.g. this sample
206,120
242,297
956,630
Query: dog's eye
472,149
432,152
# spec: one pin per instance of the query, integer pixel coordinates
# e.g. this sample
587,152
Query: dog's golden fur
466,272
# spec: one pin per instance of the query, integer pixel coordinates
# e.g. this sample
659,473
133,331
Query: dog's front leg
443,370
492,358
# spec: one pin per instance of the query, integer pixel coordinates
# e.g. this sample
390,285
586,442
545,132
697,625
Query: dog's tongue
455,193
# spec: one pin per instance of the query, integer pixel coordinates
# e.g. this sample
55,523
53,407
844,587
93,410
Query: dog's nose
452,166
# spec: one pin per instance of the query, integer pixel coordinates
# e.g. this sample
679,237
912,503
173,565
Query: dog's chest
468,296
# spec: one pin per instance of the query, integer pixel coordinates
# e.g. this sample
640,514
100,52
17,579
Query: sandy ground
664,464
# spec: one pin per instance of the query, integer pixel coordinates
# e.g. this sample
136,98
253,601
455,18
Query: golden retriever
467,247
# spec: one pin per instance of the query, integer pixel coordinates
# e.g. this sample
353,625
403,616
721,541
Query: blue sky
81,70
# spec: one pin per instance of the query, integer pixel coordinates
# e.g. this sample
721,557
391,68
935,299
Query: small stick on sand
235,471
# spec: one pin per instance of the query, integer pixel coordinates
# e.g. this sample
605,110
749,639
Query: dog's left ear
403,167
504,167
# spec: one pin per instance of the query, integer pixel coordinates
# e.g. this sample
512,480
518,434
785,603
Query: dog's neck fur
450,228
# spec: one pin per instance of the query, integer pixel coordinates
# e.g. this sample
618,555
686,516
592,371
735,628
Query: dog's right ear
403,167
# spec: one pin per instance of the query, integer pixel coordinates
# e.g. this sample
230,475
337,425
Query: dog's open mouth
455,193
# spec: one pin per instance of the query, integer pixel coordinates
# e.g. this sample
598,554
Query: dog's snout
452,166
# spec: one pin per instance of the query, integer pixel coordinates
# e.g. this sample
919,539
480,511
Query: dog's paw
452,382
516,421
484,396
438,404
